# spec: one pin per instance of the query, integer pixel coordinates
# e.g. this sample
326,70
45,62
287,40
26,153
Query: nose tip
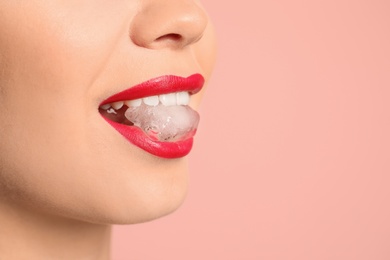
168,24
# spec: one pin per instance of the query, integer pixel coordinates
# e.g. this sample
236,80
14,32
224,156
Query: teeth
183,98
117,105
106,106
151,101
168,99
133,103
171,99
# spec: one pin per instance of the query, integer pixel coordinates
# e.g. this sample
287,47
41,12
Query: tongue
164,123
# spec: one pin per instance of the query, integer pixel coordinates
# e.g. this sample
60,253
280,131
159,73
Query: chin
132,200
158,203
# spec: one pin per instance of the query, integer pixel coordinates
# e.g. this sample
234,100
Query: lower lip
136,136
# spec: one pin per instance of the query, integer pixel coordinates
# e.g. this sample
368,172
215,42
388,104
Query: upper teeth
171,99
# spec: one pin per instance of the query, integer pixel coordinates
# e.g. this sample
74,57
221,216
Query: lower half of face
93,102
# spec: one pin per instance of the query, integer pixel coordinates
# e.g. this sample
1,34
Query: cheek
59,45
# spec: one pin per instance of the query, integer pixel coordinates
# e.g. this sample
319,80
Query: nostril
172,24
170,37
171,40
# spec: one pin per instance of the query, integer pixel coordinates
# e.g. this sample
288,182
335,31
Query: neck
25,234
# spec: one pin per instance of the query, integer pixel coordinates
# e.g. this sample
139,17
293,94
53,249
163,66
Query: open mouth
165,118
155,115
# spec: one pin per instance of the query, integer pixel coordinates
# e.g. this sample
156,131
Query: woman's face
59,61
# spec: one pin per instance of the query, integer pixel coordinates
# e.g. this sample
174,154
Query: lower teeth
164,123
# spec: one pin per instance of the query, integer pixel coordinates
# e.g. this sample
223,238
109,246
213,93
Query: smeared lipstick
157,86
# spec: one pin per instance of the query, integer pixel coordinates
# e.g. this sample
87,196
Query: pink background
292,159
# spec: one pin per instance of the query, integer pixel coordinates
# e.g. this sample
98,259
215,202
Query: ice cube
164,123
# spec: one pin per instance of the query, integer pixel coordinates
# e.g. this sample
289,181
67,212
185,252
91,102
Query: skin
65,174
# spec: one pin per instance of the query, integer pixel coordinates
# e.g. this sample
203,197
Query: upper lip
157,86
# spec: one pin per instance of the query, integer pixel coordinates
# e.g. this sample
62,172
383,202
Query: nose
172,24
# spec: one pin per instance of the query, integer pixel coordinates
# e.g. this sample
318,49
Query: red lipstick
156,86
161,85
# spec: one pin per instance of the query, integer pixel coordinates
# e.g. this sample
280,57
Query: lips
150,92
